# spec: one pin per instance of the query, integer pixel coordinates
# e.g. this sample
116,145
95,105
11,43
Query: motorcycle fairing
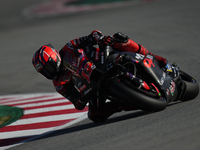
163,80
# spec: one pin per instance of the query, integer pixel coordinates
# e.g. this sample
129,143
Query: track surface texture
170,28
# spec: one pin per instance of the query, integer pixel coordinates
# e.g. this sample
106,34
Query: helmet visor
50,70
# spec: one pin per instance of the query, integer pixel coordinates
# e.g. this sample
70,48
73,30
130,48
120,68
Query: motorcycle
132,79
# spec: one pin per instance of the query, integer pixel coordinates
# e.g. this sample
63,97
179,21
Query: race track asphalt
170,28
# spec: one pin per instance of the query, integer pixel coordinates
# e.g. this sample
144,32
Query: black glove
120,37
106,40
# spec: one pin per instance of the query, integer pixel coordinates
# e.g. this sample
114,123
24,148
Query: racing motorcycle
132,79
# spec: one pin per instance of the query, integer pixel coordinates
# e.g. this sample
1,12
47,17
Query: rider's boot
99,115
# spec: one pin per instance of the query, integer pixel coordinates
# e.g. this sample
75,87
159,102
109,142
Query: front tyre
142,101
191,87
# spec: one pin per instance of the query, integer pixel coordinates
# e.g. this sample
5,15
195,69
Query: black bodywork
134,79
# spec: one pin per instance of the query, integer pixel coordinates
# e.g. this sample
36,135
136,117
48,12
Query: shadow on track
81,127
90,125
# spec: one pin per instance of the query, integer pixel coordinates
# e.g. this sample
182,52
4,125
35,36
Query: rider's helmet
47,61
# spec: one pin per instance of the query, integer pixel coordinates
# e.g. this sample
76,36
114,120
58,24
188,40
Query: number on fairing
139,56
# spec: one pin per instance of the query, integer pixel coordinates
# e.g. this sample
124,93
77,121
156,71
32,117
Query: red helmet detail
47,61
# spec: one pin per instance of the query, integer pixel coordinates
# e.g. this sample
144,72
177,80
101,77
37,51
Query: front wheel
142,101
191,88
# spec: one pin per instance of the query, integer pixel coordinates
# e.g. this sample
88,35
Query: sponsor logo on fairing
139,56
169,69
172,87
150,57
148,63
167,92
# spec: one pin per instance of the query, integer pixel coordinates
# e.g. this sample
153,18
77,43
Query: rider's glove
106,40
95,36
120,37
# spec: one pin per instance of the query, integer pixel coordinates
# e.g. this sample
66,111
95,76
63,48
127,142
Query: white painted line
22,133
39,132
39,110
42,125
18,100
47,119
43,103
21,96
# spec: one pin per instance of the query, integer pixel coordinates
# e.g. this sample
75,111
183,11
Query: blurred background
167,28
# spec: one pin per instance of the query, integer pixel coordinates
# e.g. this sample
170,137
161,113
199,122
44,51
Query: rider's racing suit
77,63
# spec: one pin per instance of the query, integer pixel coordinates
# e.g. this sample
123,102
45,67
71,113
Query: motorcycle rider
71,59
